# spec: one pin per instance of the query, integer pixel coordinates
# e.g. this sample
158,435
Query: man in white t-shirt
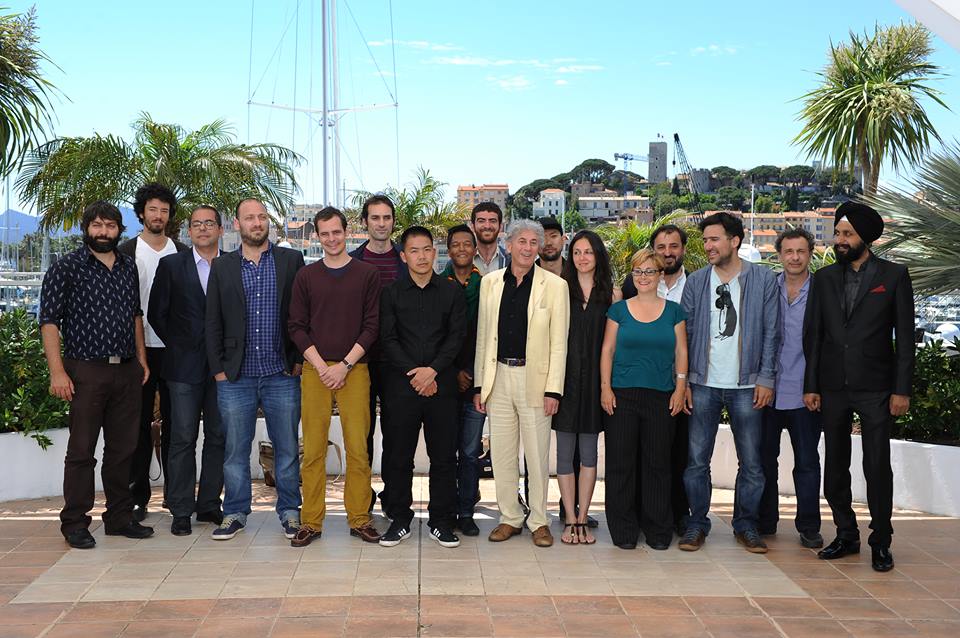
155,206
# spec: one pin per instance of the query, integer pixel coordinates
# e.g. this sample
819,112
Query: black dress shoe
882,559
838,549
658,545
468,526
139,513
213,516
627,545
811,540
592,523
133,529
181,526
80,539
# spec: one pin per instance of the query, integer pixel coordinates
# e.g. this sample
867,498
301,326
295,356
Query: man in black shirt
91,298
422,325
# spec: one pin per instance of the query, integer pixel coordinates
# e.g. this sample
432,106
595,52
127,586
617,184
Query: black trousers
105,397
140,467
678,465
837,408
406,412
639,435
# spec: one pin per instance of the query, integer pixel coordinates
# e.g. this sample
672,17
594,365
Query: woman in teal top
643,370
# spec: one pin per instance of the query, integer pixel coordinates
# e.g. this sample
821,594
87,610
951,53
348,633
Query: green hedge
934,415
26,405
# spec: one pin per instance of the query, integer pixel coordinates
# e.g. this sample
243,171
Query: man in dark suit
155,206
255,364
178,305
854,366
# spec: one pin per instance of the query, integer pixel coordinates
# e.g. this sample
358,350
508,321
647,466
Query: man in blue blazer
177,312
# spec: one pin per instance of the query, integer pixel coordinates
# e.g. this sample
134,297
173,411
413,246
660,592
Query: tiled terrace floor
257,585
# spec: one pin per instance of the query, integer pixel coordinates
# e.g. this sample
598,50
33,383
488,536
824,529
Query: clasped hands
423,380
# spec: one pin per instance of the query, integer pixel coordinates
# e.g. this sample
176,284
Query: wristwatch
348,364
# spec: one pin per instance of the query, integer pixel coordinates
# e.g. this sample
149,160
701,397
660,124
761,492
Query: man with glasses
178,305
733,335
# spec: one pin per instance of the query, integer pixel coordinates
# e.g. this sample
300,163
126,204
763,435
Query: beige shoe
503,532
542,537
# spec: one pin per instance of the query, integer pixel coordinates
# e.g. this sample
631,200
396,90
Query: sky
488,92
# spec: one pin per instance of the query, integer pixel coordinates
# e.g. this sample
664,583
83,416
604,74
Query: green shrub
934,414
26,405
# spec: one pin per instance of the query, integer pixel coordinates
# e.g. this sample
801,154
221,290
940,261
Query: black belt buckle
512,362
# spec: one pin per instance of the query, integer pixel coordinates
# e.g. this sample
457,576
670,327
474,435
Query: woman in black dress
579,420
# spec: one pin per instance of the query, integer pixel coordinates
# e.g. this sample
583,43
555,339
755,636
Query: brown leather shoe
502,532
367,533
305,536
542,537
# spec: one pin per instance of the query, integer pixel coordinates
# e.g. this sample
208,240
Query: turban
865,220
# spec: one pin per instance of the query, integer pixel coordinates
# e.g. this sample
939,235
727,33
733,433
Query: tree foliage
623,241
25,107
797,174
926,223
763,173
421,203
868,107
204,166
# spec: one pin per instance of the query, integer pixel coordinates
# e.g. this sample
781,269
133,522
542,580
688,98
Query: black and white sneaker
444,536
397,533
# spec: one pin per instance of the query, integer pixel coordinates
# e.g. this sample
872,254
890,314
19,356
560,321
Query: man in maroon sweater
334,319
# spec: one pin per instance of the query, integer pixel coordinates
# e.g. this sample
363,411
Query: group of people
518,336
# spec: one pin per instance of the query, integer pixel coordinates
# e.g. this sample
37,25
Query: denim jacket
759,314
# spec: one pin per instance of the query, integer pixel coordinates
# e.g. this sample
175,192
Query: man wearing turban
853,365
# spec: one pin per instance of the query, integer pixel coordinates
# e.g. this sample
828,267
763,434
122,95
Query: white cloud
664,63
510,83
469,60
579,68
715,50
561,82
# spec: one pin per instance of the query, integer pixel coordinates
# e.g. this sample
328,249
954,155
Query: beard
675,268
101,244
253,240
550,256
852,254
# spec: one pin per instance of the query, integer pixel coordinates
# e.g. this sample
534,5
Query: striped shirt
386,263
263,354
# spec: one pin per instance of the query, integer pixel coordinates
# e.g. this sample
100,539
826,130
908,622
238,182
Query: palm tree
926,218
623,241
868,107
205,166
421,203
24,92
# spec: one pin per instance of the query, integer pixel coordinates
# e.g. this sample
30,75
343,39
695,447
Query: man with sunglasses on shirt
732,335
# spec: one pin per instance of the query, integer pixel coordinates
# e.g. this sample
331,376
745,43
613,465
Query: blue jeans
746,425
279,396
804,428
468,453
187,401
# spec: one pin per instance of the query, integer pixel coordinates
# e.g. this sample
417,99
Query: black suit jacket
176,312
227,315
859,353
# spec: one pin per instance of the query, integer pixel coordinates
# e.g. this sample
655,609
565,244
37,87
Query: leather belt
513,363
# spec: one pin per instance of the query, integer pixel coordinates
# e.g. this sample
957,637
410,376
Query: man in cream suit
518,372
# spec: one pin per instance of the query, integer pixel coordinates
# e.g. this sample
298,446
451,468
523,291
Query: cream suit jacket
548,317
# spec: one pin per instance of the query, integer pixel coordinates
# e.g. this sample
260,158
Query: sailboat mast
339,196
324,22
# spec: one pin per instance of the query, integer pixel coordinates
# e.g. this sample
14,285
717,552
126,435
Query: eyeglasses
206,223
645,272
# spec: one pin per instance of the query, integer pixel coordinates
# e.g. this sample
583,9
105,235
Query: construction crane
685,167
627,158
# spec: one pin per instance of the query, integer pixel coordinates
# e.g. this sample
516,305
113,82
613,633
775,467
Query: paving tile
896,589
386,586
233,627
522,627
122,590
818,569
658,586
942,588
175,609
260,569
854,608
668,627
739,627
24,631
521,605
313,587
648,606
832,588
770,587
704,606
478,624
31,613
922,609
588,625
52,592
9,592
380,627
928,572
879,628
578,586
188,589
317,627
451,586
588,605
325,570
30,559
453,605
693,586
72,573
103,612
528,586
315,606
937,628
255,587
383,605
245,608
161,628
87,630
811,627
18,575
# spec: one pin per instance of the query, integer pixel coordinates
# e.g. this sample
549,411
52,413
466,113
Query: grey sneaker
692,540
230,527
751,541
290,527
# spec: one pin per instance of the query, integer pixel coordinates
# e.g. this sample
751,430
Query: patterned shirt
262,355
386,263
93,306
